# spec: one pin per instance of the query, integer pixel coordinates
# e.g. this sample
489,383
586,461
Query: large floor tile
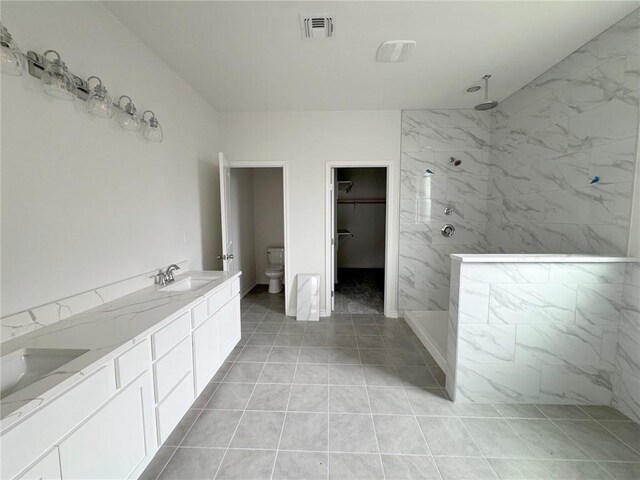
348,400
399,435
247,464
182,428
346,375
309,398
448,436
243,373
546,440
381,376
496,438
465,468
507,410
301,465
305,431
277,373
258,430
253,354
314,355
312,374
160,460
602,412
430,401
231,396
389,400
409,467
565,412
597,442
351,433
547,470
192,464
269,397
355,466
284,355
622,471
628,432
213,428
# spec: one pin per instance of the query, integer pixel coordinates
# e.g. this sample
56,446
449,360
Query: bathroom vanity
95,395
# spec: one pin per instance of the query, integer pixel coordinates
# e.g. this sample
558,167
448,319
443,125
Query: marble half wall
430,182
577,121
544,333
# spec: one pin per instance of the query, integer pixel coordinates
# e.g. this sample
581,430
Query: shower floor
360,290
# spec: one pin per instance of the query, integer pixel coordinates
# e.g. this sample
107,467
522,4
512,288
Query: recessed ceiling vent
315,27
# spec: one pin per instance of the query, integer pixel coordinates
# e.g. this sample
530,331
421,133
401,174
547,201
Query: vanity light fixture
99,102
12,60
151,129
56,79
127,116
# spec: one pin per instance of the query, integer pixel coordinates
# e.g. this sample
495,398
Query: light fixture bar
37,64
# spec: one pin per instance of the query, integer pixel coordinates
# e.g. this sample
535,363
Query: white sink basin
189,283
28,365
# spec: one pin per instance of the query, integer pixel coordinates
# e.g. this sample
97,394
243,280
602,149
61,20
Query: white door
228,262
334,237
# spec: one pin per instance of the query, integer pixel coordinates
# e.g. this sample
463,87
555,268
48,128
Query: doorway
254,228
358,223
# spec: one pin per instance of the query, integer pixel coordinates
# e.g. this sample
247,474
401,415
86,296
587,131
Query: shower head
486,104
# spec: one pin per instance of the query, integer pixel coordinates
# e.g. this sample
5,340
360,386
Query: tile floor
360,290
357,397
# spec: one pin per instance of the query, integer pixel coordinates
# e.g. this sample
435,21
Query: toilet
275,268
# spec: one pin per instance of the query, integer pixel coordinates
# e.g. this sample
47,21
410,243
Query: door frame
285,206
391,231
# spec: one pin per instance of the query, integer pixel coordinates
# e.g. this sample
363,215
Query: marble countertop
105,331
538,258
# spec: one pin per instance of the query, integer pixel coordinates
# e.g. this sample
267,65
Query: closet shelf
362,201
344,185
343,234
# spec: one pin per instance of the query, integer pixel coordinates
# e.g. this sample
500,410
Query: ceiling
250,56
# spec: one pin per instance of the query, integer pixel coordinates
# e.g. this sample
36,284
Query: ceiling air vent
314,27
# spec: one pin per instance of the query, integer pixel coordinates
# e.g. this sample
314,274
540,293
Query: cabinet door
48,468
112,443
229,326
206,352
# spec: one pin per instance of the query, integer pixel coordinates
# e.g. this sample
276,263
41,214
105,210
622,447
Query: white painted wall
85,204
366,221
268,216
243,221
307,140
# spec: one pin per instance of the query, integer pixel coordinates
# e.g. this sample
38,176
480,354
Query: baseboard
247,290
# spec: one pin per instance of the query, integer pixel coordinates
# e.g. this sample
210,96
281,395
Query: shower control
454,161
447,230
448,210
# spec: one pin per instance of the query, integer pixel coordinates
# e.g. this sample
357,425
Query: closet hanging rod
361,202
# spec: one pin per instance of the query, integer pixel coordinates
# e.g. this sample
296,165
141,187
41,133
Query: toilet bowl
275,269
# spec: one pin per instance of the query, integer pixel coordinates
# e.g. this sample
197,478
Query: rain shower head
486,104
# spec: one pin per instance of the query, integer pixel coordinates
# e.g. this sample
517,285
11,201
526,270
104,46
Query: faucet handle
161,278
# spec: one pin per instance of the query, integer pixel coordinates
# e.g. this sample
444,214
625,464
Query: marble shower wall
429,139
576,121
626,385
557,333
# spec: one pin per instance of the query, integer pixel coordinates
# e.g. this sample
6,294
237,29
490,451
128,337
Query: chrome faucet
169,272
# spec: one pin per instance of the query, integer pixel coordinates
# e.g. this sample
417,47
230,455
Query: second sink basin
189,283
23,367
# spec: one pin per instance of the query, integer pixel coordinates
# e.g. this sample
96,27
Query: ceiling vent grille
314,27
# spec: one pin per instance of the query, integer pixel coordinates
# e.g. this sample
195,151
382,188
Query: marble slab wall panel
560,333
626,391
429,139
308,299
29,320
549,139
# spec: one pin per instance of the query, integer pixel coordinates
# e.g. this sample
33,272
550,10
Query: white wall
268,216
243,221
84,203
366,221
307,140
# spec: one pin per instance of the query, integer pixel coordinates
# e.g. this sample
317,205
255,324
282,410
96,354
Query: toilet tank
275,255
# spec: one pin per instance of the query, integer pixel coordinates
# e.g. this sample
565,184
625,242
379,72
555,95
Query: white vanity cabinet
111,422
115,440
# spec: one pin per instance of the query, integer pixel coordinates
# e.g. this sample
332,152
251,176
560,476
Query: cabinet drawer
47,468
171,368
199,314
173,408
165,339
26,441
218,299
132,363
206,352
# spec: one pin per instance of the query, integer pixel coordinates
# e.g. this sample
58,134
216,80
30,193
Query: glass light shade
129,121
152,131
99,102
57,81
12,60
